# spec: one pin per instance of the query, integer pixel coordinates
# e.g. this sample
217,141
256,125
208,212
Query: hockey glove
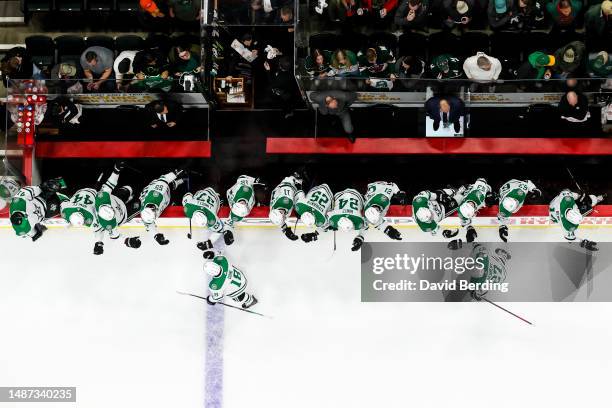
589,245
393,233
161,240
311,236
208,254
203,246
471,234
119,166
455,244
535,193
503,233
450,233
228,237
39,232
99,248
289,233
491,199
209,301
133,242
401,197
357,243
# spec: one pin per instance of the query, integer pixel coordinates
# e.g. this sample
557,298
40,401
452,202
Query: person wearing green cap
499,13
445,66
600,65
537,66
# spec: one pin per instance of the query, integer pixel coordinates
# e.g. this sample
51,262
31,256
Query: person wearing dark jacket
412,14
570,59
163,114
499,13
457,12
282,84
336,103
446,111
574,107
598,19
17,64
67,112
527,15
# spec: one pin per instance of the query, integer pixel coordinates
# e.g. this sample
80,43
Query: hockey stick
574,179
507,311
224,304
190,234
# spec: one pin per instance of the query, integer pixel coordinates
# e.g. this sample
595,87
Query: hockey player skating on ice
512,196
377,203
313,209
429,208
227,280
114,207
473,198
9,187
568,210
202,209
282,201
154,199
32,205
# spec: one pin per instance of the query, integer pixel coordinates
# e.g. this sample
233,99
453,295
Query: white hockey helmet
573,216
240,208
212,269
308,219
106,212
278,216
2,203
468,209
373,214
424,214
345,224
199,218
510,204
76,219
148,214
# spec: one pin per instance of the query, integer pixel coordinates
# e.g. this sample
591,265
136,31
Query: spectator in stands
527,15
151,72
258,15
344,63
97,64
163,114
574,107
65,79
413,14
337,103
317,64
569,59
446,111
598,19
375,9
564,12
239,66
539,65
282,85
185,59
184,10
600,65
445,66
124,69
151,8
481,68
408,70
17,64
67,112
457,12
339,10
375,62
500,13
285,17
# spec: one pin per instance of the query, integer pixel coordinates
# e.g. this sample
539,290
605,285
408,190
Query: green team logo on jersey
422,202
566,204
19,205
518,194
104,198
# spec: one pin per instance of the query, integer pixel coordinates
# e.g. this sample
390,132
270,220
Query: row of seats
32,6
46,51
512,45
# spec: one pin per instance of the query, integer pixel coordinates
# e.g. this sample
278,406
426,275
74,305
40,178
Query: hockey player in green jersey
241,198
312,210
512,196
473,198
377,203
80,209
32,205
9,187
154,199
227,280
494,267
282,201
202,209
347,215
429,208
568,210
114,206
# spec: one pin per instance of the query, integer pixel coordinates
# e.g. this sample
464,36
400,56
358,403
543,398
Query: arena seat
384,39
100,41
129,42
411,43
323,41
159,41
69,48
69,5
32,6
441,146
473,42
100,5
127,5
42,50
443,42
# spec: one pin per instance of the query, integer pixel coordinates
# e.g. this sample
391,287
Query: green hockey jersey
208,202
285,195
83,202
475,193
347,204
231,282
379,194
516,189
158,194
318,201
559,206
28,202
425,199
242,190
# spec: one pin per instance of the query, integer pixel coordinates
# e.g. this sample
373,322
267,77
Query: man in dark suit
337,103
163,114
445,110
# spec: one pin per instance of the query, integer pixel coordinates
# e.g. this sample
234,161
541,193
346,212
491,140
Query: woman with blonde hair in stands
344,63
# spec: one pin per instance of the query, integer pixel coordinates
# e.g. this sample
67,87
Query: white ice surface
114,327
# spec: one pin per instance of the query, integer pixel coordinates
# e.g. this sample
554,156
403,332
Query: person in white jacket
481,68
